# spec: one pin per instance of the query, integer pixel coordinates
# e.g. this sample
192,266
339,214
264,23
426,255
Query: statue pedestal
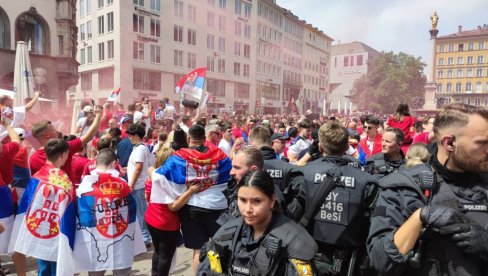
430,89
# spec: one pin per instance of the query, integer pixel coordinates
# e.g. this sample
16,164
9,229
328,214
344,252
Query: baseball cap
279,136
20,132
265,122
88,108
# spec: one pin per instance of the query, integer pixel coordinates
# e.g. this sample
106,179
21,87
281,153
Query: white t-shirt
300,145
18,119
138,116
140,154
225,146
169,112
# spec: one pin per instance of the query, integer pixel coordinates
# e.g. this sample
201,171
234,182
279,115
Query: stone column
430,86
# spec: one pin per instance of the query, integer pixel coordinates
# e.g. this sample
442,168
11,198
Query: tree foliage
391,79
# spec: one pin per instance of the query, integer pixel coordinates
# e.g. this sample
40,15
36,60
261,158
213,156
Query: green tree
391,79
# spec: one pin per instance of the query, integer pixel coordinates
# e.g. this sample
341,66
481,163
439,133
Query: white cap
88,108
20,132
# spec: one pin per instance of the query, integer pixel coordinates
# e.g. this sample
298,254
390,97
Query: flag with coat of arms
113,95
192,83
45,222
186,167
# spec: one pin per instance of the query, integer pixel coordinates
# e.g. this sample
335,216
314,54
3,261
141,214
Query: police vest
268,255
340,220
279,171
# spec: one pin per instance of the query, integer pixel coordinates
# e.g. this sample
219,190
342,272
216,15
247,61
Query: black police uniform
289,180
380,165
340,226
284,249
402,194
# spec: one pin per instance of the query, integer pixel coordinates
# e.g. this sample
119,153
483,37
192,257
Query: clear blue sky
385,25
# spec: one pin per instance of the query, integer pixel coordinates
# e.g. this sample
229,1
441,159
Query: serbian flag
107,233
185,167
192,83
205,100
6,216
113,95
45,223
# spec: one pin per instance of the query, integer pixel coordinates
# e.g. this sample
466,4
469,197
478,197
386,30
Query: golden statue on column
434,18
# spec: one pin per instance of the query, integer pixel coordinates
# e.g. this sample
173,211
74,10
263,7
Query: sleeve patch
379,211
303,268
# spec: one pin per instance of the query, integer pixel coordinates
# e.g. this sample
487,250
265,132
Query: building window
155,53
221,23
241,91
440,74
106,78
222,4
192,60
222,44
82,32
210,19
450,61
178,58
237,48
100,4
89,54
88,6
100,25
441,61
138,51
359,60
82,8
478,88
459,73
110,2
210,64
178,33
245,69
86,81
237,69
156,5
217,87
136,2
210,41
477,101
247,10
469,60
101,51
237,28
468,86
238,7
82,56
481,45
451,47
479,72
439,87
192,13
460,47
469,72
31,28
110,49
267,90
88,29
178,9
192,37
448,87
221,66
110,22
480,59
247,31
449,73
460,60
155,27
138,23
441,48
146,80
458,87
470,46
346,61
247,51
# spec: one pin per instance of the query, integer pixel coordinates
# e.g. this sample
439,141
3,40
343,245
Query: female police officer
262,241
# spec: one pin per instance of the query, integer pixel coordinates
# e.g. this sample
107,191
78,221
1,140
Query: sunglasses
369,127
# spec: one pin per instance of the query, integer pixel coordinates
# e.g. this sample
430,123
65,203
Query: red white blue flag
192,84
113,95
107,234
210,170
45,223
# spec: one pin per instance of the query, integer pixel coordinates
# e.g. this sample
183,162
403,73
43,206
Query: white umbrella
345,108
339,106
23,80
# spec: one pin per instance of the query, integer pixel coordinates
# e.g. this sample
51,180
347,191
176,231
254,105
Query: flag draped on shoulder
45,223
106,236
192,83
113,95
6,216
186,167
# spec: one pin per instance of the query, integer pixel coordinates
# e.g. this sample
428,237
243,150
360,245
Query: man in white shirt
301,142
139,160
18,112
225,142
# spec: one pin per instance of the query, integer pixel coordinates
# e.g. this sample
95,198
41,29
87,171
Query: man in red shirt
8,152
371,144
106,116
44,130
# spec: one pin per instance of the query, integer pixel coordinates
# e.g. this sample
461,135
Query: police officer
339,221
391,159
433,218
262,241
285,175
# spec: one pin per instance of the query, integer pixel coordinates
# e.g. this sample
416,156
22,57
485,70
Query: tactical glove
295,210
439,216
471,238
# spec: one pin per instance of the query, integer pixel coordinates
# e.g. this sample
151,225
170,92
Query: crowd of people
250,195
